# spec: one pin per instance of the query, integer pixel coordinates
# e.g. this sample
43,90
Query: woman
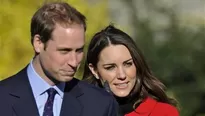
114,58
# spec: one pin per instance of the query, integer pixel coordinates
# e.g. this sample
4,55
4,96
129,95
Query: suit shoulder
8,80
92,89
21,73
13,80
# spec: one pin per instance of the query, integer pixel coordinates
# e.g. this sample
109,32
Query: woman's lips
121,85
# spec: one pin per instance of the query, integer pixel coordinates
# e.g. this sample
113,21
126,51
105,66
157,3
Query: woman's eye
109,68
128,64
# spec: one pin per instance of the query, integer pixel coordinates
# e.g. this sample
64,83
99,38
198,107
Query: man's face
63,53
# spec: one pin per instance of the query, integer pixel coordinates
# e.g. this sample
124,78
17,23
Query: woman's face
117,67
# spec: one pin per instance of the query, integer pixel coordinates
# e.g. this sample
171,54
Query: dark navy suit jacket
80,98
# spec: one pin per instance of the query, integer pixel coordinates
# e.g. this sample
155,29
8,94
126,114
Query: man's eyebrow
68,49
81,47
64,49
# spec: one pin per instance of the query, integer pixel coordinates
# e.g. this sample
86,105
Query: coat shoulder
167,109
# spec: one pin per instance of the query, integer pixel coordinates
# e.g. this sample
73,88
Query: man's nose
72,61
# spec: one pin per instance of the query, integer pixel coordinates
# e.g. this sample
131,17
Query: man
46,86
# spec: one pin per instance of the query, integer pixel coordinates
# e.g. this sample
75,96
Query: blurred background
171,34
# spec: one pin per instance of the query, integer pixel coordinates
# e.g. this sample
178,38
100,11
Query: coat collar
22,98
145,108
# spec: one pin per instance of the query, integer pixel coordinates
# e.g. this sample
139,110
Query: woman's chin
121,94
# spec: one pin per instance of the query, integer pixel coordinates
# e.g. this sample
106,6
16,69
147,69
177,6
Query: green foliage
174,52
15,47
177,60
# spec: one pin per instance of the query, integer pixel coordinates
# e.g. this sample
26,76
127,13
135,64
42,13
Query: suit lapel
71,105
22,97
23,102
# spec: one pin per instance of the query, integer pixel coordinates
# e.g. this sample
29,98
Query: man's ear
38,44
93,70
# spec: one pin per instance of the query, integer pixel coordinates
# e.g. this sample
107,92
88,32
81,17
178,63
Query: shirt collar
39,86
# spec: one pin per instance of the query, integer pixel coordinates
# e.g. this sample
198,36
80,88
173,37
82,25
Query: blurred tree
15,15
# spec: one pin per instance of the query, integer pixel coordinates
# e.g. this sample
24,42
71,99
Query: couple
46,86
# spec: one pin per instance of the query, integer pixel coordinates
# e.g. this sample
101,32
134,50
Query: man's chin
66,78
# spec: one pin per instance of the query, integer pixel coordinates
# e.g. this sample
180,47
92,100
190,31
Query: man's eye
63,52
80,50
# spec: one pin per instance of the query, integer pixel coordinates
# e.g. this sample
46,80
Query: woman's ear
93,70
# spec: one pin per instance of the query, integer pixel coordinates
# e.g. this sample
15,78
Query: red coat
151,107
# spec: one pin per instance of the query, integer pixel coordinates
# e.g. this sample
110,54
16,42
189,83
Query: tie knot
51,92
